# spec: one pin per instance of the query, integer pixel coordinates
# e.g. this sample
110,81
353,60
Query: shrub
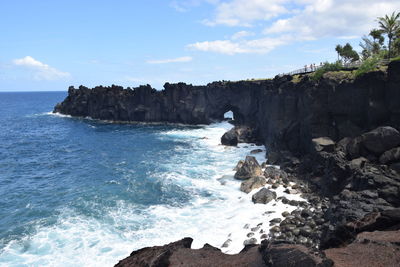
370,64
326,68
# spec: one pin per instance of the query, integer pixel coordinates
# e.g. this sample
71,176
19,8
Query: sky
48,45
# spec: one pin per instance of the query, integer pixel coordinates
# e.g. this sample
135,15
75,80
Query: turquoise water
79,192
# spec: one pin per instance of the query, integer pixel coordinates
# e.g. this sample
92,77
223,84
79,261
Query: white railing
313,68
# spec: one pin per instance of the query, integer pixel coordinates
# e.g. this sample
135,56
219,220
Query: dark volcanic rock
264,196
249,169
230,138
381,140
180,254
283,114
154,256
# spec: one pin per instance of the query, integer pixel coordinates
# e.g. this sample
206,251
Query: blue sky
50,45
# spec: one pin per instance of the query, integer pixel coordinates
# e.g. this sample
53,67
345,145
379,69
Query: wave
216,211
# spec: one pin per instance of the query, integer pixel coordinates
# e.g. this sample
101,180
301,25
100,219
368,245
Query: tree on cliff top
390,25
347,53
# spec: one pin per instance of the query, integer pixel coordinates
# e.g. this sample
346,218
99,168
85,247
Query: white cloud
333,18
40,70
288,21
245,12
241,34
170,60
259,46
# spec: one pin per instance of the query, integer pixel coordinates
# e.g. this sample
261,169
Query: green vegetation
370,64
326,67
374,50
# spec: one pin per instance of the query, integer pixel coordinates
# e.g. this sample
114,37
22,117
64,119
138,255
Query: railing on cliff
312,68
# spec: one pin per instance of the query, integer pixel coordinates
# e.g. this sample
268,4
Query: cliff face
285,115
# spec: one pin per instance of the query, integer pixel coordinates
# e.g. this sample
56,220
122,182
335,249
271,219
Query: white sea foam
225,213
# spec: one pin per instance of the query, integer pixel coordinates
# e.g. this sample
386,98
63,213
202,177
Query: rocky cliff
284,114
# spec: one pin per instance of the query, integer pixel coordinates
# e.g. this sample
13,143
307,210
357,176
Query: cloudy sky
49,45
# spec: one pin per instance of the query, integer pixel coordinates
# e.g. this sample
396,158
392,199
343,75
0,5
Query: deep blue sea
80,192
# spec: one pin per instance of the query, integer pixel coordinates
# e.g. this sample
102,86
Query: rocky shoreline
337,139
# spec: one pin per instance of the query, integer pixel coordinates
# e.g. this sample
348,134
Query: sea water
81,192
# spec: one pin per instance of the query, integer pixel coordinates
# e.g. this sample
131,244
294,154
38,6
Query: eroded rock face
249,169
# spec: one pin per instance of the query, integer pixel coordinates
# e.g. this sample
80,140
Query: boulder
323,144
263,196
381,139
239,134
392,155
250,168
230,138
253,183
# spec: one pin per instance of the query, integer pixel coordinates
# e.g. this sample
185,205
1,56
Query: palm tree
390,25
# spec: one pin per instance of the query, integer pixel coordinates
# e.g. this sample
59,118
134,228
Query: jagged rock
178,254
323,144
253,183
154,256
264,196
390,156
250,168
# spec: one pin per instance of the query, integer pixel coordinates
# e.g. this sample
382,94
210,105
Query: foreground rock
180,254
249,169
266,254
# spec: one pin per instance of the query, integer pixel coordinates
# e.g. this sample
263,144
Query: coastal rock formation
284,115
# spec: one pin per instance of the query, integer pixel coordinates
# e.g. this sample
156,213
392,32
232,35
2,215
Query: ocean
81,192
